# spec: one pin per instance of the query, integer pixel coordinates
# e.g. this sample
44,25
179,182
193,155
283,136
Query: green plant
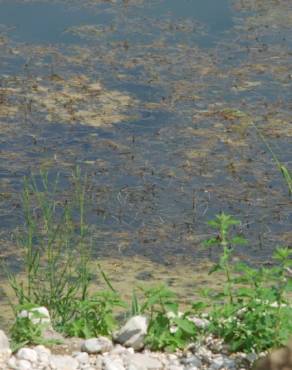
24,331
222,223
168,328
255,314
55,245
93,316
286,174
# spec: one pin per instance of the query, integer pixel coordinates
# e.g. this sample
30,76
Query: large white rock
37,315
27,354
97,345
132,334
140,361
58,362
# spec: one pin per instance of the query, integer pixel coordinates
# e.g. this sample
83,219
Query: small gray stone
193,361
229,363
97,345
132,334
27,354
217,363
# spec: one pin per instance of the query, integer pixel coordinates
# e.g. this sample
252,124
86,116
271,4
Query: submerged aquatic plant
286,174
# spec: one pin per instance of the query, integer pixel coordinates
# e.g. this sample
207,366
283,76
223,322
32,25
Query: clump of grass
55,243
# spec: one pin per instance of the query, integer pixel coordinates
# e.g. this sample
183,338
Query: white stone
43,354
27,354
42,349
4,342
118,349
97,345
98,363
12,363
24,365
82,357
141,361
111,363
37,315
65,362
132,334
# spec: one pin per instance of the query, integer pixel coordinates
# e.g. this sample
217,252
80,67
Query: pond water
157,101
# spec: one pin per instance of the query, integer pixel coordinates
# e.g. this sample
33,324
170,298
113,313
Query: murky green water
144,96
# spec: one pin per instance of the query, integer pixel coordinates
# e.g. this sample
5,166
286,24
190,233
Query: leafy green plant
25,331
93,316
255,314
222,223
168,328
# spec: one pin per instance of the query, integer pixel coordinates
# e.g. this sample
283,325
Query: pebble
97,345
27,354
24,365
59,362
193,361
110,363
102,354
140,361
